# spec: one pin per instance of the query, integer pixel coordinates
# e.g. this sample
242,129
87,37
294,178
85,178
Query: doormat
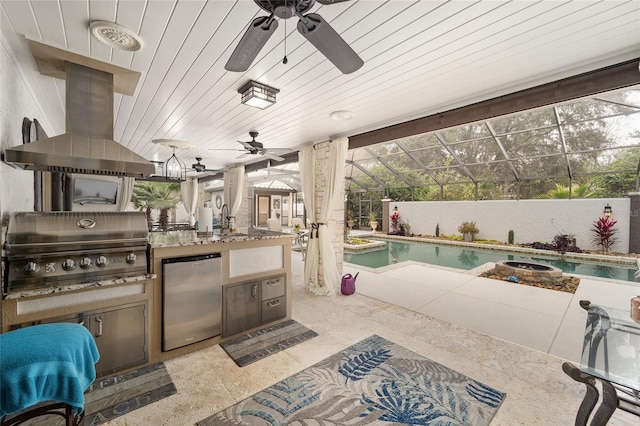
112,397
373,381
259,344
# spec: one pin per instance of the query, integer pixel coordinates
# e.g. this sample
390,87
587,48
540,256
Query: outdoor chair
45,370
274,224
297,221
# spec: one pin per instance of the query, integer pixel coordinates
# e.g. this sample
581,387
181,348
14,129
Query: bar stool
45,369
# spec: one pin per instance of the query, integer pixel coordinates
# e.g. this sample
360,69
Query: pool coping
475,272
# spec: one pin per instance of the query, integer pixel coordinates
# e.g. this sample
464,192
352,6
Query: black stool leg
591,396
608,405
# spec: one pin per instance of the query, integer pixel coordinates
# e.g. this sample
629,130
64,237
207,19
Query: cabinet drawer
272,287
274,309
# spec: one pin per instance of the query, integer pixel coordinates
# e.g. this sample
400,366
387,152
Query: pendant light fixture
174,169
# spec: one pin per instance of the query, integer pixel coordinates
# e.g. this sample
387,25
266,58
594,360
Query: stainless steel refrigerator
192,300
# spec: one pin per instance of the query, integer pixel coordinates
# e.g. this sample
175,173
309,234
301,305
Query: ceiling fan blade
243,155
246,145
280,150
251,43
318,31
272,156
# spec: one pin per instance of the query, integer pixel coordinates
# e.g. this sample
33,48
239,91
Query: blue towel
48,362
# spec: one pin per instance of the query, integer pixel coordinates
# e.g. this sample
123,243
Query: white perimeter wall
530,220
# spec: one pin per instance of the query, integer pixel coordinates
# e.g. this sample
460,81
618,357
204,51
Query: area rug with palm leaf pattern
374,381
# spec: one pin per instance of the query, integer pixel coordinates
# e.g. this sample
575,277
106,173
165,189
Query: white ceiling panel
420,57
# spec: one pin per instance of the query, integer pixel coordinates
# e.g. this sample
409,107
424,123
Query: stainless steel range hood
87,146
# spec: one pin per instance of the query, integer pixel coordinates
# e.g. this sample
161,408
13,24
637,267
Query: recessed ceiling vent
87,146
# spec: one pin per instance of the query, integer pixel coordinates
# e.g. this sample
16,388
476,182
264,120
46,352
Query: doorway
263,210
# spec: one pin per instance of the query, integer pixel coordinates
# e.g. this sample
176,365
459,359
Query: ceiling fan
312,26
253,147
199,167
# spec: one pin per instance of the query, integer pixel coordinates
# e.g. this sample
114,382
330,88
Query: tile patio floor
511,337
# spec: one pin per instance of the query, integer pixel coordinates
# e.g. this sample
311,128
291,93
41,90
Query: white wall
530,220
16,102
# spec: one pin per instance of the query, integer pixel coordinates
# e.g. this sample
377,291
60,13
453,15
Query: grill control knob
31,268
86,263
131,258
102,261
69,265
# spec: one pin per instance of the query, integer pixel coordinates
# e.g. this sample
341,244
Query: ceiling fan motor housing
285,9
198,167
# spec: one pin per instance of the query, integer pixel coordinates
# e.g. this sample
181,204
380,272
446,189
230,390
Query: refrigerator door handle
99,320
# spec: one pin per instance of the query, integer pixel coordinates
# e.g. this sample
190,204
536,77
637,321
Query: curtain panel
189,197
306,159
323,226
126,190
233,185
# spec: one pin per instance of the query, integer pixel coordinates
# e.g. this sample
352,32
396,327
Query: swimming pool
462,257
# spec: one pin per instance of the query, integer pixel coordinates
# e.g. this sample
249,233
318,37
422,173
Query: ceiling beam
614,77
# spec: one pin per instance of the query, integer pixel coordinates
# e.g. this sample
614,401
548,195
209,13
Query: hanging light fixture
258,95
607,211
174,169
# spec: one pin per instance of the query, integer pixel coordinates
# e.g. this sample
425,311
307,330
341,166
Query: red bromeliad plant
604,233
395,219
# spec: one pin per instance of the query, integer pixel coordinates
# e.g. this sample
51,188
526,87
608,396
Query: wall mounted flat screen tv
94,191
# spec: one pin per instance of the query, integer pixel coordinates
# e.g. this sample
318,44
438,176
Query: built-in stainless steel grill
47,249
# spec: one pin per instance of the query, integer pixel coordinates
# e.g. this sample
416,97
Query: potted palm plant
468,230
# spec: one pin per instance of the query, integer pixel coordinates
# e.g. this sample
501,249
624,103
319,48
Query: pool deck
548,321
545,320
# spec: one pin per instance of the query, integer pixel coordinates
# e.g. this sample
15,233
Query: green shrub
510,239
468,228
437,229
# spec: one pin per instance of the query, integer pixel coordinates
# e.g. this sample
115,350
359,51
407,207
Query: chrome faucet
225,217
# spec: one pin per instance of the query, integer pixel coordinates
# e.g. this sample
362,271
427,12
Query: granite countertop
190,238
82,286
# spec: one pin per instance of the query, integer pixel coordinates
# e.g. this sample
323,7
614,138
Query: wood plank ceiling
421,57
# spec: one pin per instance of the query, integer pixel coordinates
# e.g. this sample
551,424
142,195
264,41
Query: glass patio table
611,355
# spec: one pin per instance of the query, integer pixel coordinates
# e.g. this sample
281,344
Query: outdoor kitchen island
254,279
125,315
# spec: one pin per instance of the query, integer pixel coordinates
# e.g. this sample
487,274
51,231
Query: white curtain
320,240
306,163
233,185
189,196
126,189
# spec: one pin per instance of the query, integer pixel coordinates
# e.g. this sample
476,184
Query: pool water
466,258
